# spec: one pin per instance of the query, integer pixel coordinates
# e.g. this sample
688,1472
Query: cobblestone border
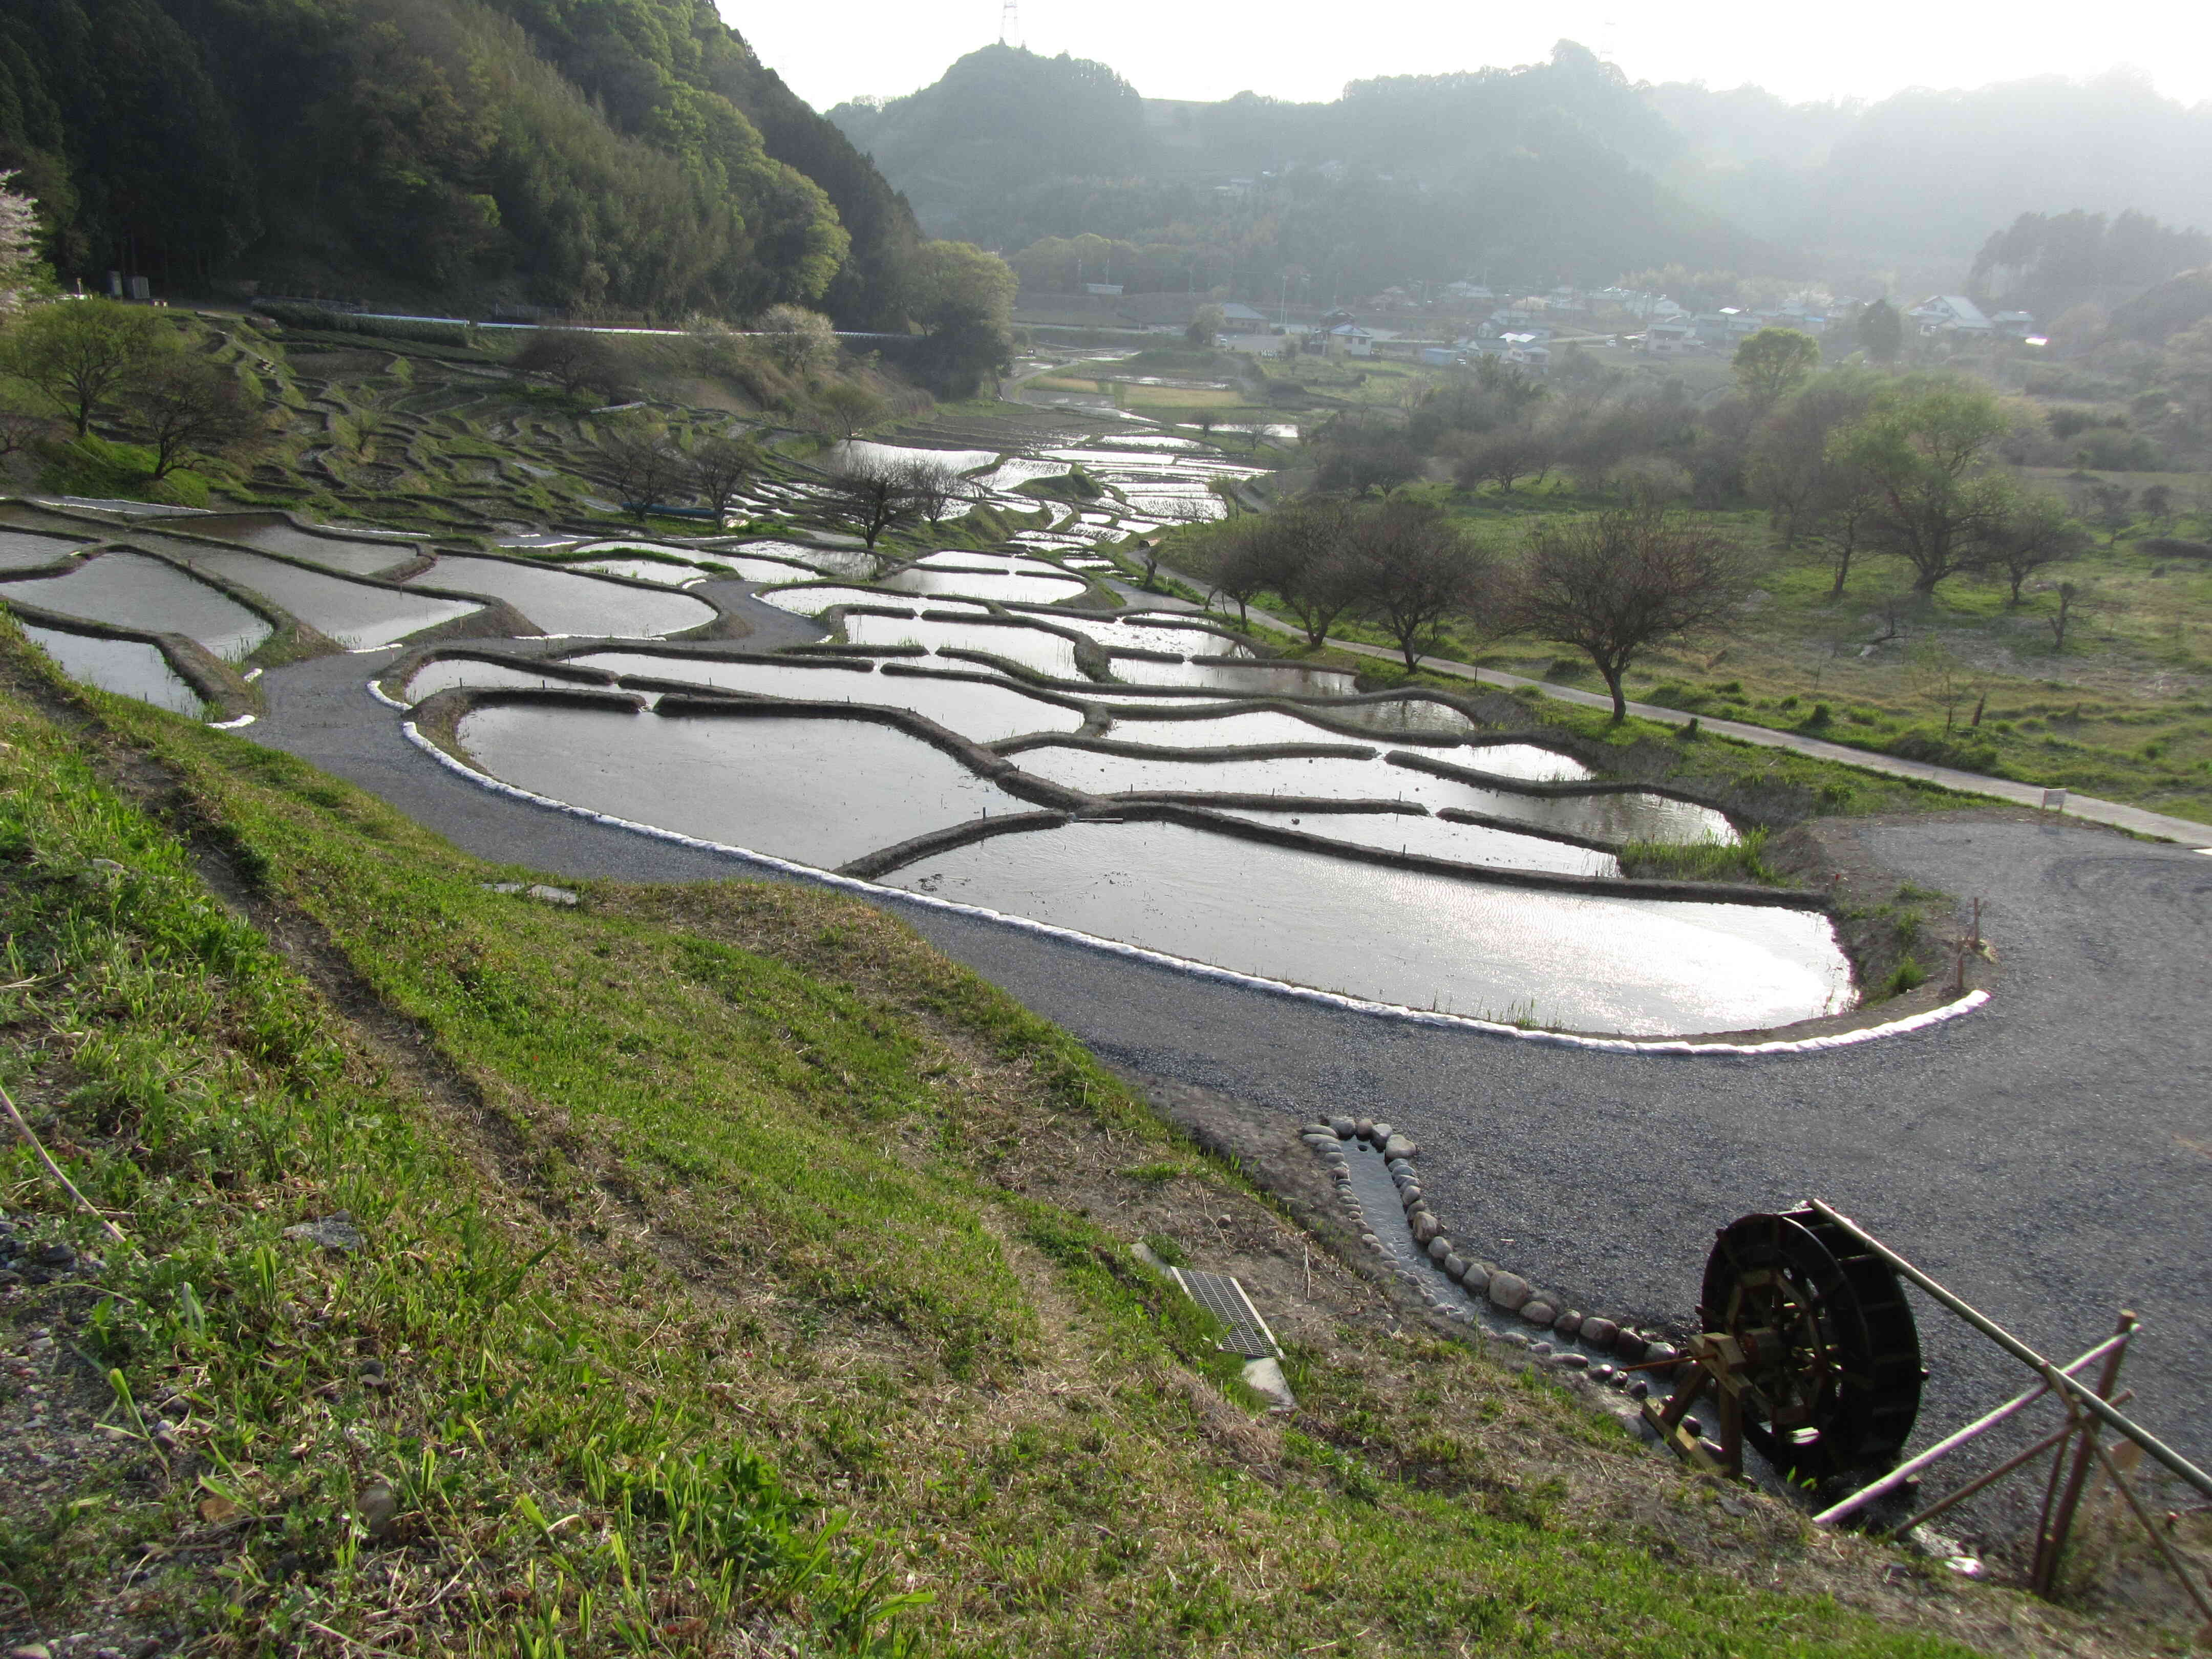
1543,1323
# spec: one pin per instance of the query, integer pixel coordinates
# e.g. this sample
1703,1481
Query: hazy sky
1210,49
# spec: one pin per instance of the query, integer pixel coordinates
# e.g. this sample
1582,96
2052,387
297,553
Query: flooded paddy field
821,792
129,668
1642,967
568,602
133,590
358,615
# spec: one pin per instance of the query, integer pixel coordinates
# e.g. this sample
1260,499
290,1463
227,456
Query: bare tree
1248,565
2077,603
872,494
934,487
643,465
1312,567
844,411
1417,569
720,469
1504,457
186,406
1616,583
2038,534
578,359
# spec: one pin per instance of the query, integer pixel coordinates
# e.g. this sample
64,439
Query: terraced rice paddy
565,602
134,590
129,668
1610,964
821,792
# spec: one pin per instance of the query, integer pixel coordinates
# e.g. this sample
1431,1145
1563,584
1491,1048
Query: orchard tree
2038,534
1617,584
934,486
643,466
1774,362
82,355
1927,456
1417,570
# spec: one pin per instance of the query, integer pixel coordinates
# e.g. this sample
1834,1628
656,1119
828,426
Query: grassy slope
681,1257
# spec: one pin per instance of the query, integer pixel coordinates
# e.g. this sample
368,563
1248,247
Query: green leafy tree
2038,532
1928,455
82,355
1879,332
964,300
1774,362
1205,326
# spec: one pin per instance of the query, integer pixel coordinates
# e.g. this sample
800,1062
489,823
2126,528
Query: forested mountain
562,153
1932,175
1533,173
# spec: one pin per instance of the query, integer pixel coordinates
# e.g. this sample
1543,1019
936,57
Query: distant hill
562,153
1535,174
1932,175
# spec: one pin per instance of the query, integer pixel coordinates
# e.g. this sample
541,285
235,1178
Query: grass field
735,1274
1963,678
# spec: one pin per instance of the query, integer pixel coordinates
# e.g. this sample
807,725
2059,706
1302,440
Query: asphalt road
2049,1157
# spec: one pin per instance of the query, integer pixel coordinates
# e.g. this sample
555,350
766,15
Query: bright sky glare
1301,50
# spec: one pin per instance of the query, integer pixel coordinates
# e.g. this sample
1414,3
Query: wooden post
2050,1540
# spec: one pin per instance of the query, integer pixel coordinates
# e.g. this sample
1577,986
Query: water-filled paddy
814,601
1635,817
1513,760
336,552
1137,635
1237,679
566,602
1638,966
1439,838
981,713
1032,648
1021,469
960,460
1007,587
23,551
356,615
822,791
650,570
130,590
446,673
129,668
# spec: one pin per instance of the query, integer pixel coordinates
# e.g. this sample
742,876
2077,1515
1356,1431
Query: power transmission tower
1009,23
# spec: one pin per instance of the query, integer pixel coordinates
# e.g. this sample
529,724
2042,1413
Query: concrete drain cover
1246,1332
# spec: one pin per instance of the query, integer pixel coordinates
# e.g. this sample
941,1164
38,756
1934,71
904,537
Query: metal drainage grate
1246,1332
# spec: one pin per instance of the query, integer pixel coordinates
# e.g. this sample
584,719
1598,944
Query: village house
1949,313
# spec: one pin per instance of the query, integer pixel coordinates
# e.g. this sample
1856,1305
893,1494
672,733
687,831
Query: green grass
727,1259
1744,859
2125,713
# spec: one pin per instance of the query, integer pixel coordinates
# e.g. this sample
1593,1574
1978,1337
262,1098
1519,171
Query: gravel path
2049,1157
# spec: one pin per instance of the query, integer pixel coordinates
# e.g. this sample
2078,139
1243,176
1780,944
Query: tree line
1614,584
574,156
